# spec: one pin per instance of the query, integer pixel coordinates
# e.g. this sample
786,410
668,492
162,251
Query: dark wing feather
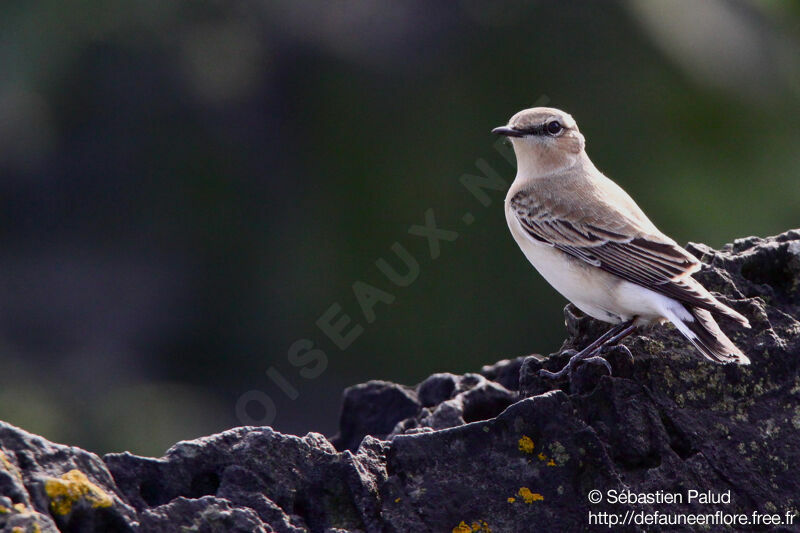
650,261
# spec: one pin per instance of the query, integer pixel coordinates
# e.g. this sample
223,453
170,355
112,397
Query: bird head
545,139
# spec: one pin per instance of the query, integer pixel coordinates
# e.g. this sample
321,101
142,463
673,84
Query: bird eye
554,127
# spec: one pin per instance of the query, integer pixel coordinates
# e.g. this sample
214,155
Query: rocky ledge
498,450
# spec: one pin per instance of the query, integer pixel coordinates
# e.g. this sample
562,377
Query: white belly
595,292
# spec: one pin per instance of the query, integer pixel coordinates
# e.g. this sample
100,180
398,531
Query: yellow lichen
542,456
397,500
526,444
551,463
19,529
476,527
8,465
67,490
462,528
511,499
529,497
22,509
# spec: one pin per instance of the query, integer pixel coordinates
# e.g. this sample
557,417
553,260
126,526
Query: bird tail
706,300
701,329
726,311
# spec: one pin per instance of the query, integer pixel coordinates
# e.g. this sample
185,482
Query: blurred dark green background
187,186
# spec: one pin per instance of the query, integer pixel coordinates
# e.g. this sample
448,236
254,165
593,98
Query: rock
505,372
290,483
373,408
472,398
19,517
206,514
500,450
481,472
57,487
436,389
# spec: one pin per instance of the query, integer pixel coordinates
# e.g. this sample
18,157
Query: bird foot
569,368
597,360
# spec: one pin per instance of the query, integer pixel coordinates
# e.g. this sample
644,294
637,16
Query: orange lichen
529,497
542,457
525,444
511,499
551,463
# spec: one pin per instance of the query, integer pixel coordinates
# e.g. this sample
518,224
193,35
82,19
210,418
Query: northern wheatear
593,244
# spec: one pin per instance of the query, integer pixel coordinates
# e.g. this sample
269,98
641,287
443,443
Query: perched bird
595,246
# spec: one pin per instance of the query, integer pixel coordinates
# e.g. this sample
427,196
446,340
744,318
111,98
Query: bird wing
615,244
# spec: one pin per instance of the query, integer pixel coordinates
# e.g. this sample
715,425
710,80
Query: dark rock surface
500,450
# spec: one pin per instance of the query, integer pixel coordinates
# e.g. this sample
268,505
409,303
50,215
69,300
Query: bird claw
589,354
573,362
553,375
597,360
567,369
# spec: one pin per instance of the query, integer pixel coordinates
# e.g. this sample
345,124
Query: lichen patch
480,526
70,488
529,497
525,444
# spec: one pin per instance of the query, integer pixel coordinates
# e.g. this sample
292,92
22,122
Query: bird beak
508,131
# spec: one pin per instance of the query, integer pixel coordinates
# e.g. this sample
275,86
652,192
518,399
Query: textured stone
57,486
437,389
500,450
290,482
203,515
373,408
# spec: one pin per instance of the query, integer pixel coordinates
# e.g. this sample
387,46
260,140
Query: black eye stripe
541,129
534,130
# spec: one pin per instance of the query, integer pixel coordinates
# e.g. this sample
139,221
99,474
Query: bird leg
589,354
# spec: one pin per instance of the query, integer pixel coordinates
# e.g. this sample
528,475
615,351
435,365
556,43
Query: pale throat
534,161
